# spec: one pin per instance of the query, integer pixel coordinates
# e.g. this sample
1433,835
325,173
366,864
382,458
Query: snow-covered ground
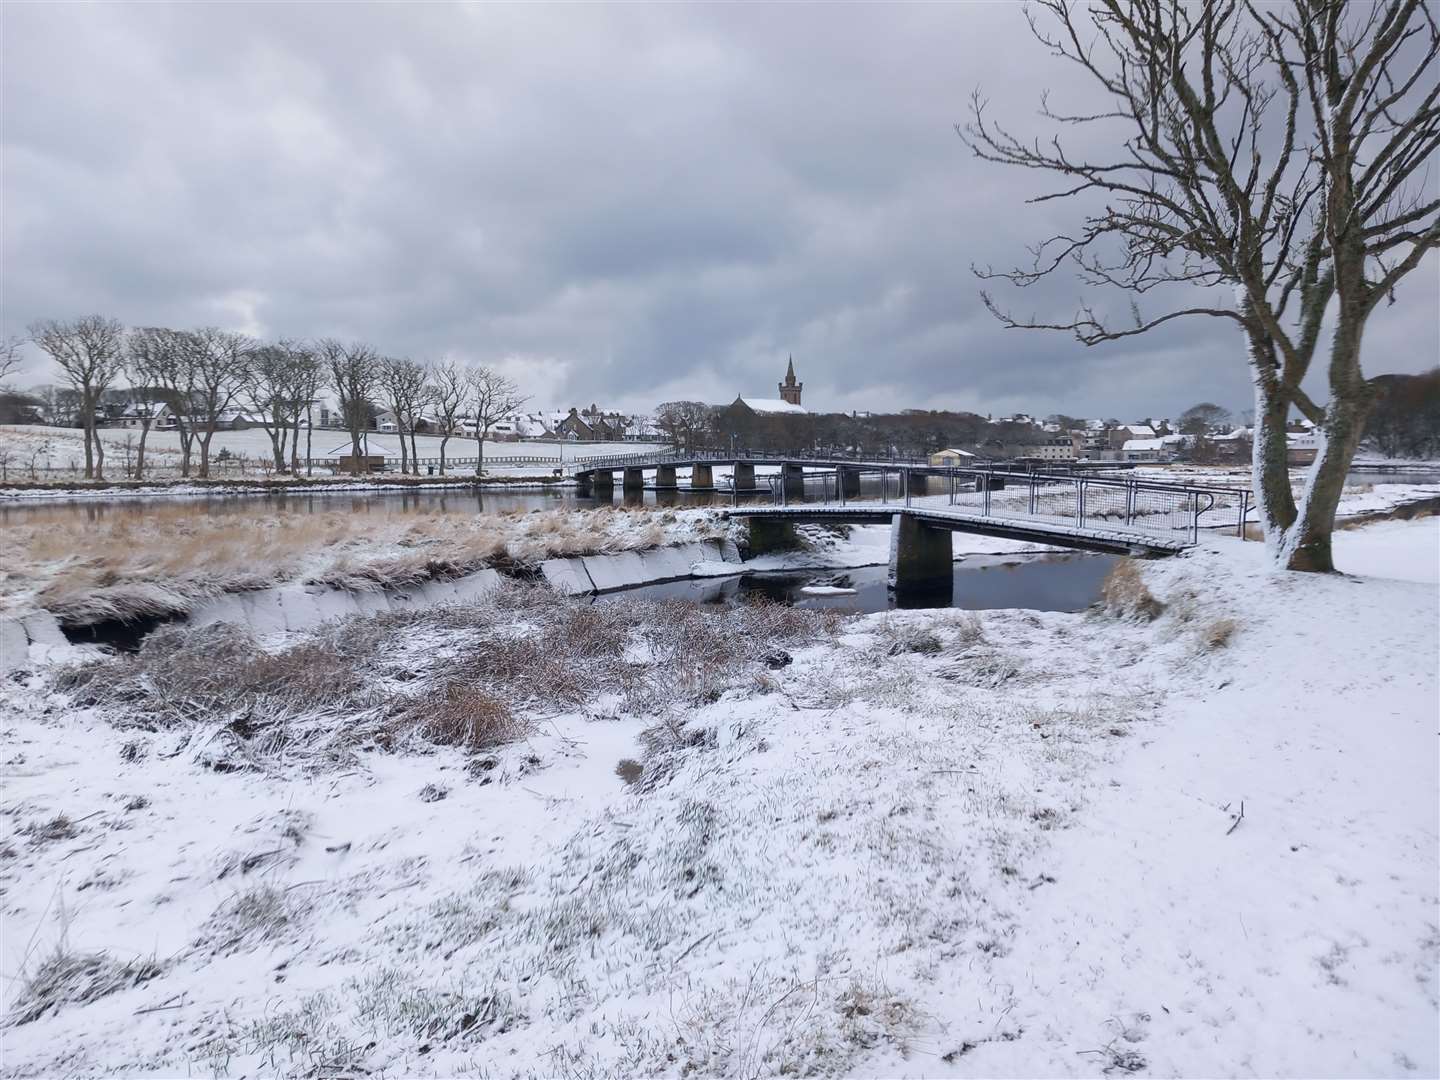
932,844
62,450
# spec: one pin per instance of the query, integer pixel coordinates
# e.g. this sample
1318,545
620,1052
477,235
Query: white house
1145,450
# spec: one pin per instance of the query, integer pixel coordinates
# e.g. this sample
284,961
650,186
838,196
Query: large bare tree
219,360
449,391
492,397
405,385
278,386
1268,164
354,374
152,357
90,352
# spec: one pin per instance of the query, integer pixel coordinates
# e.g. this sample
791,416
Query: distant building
790,389
951,458
787,404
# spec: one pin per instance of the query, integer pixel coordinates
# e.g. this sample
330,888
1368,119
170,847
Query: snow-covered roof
774,405
1144,444
957,453
1140,431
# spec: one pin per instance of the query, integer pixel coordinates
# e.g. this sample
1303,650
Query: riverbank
922,843
170,560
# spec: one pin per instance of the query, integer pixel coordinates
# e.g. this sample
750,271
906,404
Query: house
158,414
1302,448
951,458
1145,450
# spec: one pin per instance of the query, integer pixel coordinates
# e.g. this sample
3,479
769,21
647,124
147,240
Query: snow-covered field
53,451
914,844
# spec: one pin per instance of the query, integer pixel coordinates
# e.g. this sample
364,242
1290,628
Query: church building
787,404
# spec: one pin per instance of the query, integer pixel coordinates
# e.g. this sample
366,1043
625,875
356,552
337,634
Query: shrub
1125,595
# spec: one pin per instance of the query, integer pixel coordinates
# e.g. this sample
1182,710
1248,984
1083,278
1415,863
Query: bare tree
354,376
10,356
1268,164
90,353
1204,418
278,386
683,422
152,357
405,385
220,360
170,361
450,390
493,397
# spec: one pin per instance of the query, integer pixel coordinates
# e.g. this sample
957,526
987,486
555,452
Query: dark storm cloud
620,204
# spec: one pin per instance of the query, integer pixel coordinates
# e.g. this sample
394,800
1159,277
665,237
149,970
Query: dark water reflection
1069,582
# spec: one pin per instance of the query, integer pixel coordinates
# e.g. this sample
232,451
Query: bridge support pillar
585,484
768,534
849,481
792,477
664,476
634,480
744,476
701,477
603,481
989,480
921,558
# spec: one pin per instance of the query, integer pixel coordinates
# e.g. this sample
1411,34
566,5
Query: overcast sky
623,205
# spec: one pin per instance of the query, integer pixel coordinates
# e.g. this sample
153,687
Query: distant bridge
1078,509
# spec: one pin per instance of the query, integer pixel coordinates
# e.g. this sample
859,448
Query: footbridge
1076,509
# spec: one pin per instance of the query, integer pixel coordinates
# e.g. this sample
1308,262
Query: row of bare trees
204,376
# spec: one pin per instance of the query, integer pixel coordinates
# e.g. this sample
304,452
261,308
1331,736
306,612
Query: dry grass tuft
75,978
1217,634
473,677
1126,596
459,713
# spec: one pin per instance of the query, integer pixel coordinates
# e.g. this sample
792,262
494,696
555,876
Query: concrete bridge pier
603,481
792,480
634,480
768,534
921,557
989,480
664,477
849,482
585,484
701,477
744,476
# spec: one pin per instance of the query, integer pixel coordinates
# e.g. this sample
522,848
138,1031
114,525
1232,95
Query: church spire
790,389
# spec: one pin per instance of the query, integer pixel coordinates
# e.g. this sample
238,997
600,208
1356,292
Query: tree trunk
1307,544
99,448
89,423
355,452
414,454
479,450
140,453
443,440
404,453
309,434
204,473
1270,468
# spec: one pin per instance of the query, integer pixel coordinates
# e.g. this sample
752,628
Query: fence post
1244,513
1079,504
1129,502
905,478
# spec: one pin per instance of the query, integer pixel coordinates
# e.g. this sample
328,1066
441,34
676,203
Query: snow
1022,853
774,405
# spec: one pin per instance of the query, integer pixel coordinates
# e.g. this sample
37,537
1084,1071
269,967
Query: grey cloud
621,203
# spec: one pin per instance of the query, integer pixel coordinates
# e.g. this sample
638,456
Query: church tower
790,389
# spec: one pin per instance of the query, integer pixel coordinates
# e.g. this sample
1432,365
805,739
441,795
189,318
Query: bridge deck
1089,538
